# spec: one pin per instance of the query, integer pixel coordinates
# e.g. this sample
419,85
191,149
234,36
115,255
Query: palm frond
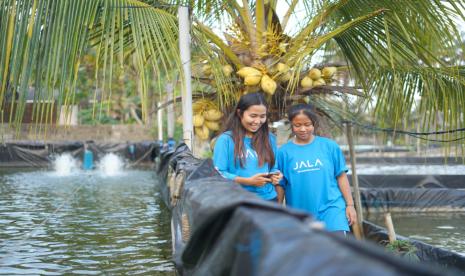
45,41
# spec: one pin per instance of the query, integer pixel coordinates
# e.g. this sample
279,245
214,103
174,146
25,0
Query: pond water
443,230
87,223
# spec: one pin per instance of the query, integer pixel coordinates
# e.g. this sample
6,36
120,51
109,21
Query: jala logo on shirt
306,166
249,153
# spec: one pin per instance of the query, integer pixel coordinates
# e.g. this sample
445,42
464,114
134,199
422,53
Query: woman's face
253,118
303,128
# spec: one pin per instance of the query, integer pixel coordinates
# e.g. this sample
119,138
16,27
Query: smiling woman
246,151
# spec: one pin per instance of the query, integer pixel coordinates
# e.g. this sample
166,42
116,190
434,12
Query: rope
412,134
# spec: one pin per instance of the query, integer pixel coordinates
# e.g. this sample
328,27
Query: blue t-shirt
228,167
310,180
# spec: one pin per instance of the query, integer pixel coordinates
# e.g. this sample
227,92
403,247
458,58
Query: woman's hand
276,177
351,214
258,180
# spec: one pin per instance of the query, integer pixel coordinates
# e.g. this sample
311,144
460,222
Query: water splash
65,165
111,165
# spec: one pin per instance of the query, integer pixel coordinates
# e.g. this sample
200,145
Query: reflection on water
444,230
83,224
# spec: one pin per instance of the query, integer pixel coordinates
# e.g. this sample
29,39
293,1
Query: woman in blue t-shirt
246,151
314,172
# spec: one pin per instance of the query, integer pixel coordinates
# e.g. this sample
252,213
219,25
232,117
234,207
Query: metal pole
184,48
160,122
353,162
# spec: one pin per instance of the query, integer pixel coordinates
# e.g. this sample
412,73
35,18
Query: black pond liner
40,154
233,232
413,200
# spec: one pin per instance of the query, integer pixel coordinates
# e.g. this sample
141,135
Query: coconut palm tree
390,52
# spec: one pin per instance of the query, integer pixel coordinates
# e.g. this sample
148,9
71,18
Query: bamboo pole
358,203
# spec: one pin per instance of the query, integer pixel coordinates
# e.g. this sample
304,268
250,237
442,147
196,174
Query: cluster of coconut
207,70
317,77
253,76
206,118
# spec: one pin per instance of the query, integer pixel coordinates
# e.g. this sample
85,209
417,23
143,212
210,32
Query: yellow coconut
328,72
212,125
207,70
198,120
227,70
268,84
252,80
319,82
285,77
282,68
314,73
306,82
212,115
197,107
202,132
249,71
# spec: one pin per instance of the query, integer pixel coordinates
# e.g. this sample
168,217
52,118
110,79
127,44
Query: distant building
43,111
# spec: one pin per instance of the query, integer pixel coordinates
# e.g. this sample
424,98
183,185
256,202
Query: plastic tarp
425,252
39,154
413,200
219,228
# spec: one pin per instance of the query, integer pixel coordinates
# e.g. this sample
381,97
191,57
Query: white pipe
184,48
170,118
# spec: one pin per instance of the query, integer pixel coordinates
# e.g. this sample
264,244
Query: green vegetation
403,248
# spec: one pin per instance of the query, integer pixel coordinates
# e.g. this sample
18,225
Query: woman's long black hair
260,139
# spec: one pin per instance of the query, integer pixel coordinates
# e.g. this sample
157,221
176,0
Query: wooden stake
390,227
358,233
358,201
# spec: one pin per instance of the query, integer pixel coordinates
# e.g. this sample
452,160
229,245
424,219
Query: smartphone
269,175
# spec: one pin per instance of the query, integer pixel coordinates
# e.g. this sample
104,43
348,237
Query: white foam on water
65,165
111,165
445,227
